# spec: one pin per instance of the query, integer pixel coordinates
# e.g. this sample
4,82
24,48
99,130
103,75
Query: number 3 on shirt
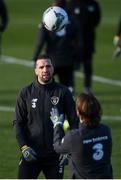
98,151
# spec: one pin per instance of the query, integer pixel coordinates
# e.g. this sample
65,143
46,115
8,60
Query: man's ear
52,70
36,72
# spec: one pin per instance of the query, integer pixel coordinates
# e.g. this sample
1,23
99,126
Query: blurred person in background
89,146
117,41
3,20
88,15
60,46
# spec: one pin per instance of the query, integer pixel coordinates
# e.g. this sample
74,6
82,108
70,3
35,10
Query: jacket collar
49,85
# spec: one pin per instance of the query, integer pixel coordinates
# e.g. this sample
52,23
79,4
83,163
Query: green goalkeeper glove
117,41
28,153
56,118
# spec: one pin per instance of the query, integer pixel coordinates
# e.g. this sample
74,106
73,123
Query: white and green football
55,18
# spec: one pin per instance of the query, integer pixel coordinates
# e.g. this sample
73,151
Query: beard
45,80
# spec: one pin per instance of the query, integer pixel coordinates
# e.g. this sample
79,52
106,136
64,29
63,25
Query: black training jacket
88,14
32,122
118,33
3,16
89,149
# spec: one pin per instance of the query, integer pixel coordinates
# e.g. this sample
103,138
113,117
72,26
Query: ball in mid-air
55,18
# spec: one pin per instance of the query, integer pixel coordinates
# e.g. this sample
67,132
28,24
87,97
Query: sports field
16,71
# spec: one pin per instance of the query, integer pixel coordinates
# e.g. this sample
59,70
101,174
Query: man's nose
45,69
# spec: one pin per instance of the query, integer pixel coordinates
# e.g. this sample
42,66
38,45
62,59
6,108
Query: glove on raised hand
28,153
116,41
56,118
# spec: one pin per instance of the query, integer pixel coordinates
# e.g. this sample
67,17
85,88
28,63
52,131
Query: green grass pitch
19,42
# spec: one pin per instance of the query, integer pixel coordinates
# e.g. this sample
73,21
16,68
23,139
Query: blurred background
18,43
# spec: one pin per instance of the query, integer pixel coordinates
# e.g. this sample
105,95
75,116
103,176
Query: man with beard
33,125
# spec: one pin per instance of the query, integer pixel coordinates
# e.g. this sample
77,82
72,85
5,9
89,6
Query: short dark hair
43,56
60,3
89,108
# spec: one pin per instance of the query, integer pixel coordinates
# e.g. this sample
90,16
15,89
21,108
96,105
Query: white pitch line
7,109
28,63
105,117
105,20
102,80
116,118
13,60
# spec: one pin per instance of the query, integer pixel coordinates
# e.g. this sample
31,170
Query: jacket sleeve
20,120
4,16
40,42
62,143
118,33
95,16
70,110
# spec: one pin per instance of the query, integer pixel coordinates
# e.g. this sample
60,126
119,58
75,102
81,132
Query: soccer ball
55,18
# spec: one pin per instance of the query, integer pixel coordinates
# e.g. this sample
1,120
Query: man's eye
41,67
48,66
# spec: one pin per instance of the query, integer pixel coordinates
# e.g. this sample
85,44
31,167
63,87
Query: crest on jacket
54,100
